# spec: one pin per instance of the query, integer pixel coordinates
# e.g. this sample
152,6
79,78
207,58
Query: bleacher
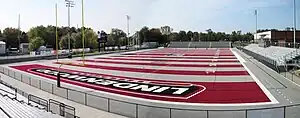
14,105
279,54
18,109
179,44
197,44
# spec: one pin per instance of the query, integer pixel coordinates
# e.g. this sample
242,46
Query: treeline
46,35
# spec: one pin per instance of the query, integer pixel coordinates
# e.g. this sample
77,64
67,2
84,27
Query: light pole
69,4
128,18
82,30
256,25
295,24
19,28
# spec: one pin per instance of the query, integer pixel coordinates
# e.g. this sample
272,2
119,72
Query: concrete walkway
81,110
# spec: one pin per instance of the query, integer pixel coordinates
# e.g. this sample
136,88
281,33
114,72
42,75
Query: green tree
11,37
182,36
117,35
189,35
143,34
24,38
203,36
156,36
174,36
110,41
64,41
210,35
35,43
196,36
90,39
248,37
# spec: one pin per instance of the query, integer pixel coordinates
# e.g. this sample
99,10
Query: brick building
278,38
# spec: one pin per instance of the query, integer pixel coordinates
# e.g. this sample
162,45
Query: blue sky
196,15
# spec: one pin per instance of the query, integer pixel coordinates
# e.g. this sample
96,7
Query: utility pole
69,4
295,24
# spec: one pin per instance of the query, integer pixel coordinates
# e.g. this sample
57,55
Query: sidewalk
291,77
81,110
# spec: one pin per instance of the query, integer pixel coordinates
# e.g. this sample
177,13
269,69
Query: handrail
70,108
30,96
5,113
9,86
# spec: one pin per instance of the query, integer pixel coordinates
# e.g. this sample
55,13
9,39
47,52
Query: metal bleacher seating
201,44
17,109
279,54
14,105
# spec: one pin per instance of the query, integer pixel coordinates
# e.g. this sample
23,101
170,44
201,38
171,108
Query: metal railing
14,93
9,116
62,109
40,101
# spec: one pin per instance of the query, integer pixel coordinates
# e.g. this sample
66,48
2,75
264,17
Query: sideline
266,91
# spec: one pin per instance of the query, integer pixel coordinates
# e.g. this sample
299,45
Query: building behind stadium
277,38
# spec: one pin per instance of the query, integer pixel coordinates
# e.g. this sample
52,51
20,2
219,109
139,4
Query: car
12,51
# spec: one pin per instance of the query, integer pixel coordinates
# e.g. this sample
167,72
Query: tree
248,37
190,35
11,37
36,43
90,39
24,38
210,34
0,33
110,41
203,36
182,36
116,35
64,41
174,36
196,36
156,36
143,34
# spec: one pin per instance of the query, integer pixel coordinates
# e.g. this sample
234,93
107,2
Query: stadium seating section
19,108
201,44
279,54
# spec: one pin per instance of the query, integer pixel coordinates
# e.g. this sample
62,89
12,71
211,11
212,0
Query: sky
195,15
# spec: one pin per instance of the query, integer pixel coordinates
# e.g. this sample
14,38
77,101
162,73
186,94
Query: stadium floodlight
56,32
256,26
19,32
128,18
82,29
69,4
